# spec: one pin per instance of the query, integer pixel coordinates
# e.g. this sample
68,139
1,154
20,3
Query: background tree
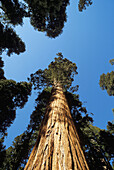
111,61
45,16
107,81
12,13
50,16
83,4
12,95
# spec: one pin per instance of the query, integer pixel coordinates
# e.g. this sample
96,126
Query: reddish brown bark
58,145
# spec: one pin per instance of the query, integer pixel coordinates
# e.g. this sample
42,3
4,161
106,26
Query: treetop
60,71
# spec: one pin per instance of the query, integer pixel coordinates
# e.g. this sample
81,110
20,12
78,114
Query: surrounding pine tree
49,16
83,4
111,61
46,16
107,83
12,13
12,95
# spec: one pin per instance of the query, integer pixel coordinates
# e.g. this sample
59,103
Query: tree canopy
49,16
10,41
83,4
12,13
46,16
107,83
61,71
111,61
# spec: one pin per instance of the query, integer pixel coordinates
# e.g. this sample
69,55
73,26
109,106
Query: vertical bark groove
58,146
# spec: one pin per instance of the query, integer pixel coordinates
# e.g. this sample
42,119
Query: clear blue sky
87,40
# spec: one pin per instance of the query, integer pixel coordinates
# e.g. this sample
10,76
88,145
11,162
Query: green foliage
1,69
83,4
110,128
61,72
11,14
13,11
12,95
111,61
48,16
45,15
107,83
98,147
2,151
10,41
17,154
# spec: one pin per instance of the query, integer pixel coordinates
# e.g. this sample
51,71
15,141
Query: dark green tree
98,147
2,151
12,95
46,16
107,83
10,41
83,4
111,61
49,16
12,13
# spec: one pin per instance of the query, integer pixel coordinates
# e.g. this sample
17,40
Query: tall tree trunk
58,145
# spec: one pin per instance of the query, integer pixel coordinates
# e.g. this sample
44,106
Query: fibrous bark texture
58,145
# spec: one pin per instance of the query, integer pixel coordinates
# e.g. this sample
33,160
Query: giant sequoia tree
58,144
97,143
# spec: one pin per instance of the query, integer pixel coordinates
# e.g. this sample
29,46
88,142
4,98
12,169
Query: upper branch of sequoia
59,72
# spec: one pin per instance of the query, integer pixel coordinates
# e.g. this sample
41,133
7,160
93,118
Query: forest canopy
46,16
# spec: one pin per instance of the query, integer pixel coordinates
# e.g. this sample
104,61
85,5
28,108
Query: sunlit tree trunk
58,145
